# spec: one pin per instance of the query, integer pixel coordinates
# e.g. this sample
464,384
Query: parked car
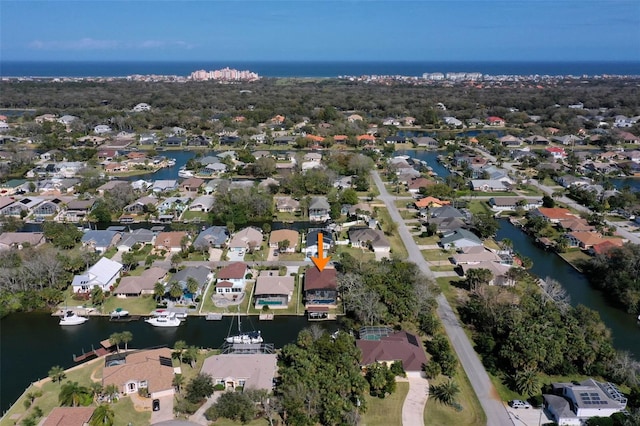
156,405
516,403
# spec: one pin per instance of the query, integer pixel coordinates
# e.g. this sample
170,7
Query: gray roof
319,203
198,273
141,235
460,234
99,238
212,236
362,235
312,237
446,211
258,370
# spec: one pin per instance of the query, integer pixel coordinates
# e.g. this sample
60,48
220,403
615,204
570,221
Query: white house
231,278
102,129
141,107
103,274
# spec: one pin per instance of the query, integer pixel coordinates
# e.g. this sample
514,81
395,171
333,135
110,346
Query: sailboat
252,337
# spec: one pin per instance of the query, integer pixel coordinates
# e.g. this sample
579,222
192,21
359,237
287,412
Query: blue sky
515,30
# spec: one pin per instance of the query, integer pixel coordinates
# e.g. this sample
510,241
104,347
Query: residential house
171,241
139,236
501,204
141,107
399,346
69,416
414,185
100,241
556,152
214,236
140,206
499,272
148,369
201,274
574,403
452,121
78,210
101,129
511,141
191,184
354,117
103,275
173,206
216,169
489,185
460,238
22,206
553,214
204,203
495,121
431,202
145,283
47,208
273,290
278,236
19,240
173,141
320,288
425,142
319,209
231,279
148,139
246,239
586,240
372,239
311,243
474,255
110,185
445,225
164,185
247,371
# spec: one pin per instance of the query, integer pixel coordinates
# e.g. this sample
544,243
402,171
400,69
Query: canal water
429,157
34,342
623,326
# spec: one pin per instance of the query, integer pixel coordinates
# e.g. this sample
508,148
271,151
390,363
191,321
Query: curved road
493,407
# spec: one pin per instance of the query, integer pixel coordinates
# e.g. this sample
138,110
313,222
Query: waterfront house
495,121
138,236
103,275
247,371
320,288
319,209
489,185
47,208
399,346
430,202
499,272
574,403
473,255
164,185
110,185
371,239
460,238
311,243
232,278
201,274
134,286
214,236
20,240
69,416
171,241
273,290
204,203
414,185
173,206
425,142
278,236
501,204
148,369
100,241
553,214
246,239
77,210
191,184
141,205
586,240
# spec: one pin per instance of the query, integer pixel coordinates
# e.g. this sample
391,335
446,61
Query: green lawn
442,268
141,305
195,216
426,241
358,253
437,414
435,255
479,207
397,246
387,411
49,400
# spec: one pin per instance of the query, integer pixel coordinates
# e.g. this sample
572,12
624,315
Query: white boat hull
161,322
71,318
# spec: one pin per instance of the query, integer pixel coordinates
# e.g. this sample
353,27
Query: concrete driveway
413,407
528,417
166,410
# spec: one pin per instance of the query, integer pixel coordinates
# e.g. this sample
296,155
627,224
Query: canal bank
34,342
624,328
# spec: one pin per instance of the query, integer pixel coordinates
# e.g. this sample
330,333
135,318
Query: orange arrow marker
320,261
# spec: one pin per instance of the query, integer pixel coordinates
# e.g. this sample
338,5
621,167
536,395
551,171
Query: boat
163,319
184,173
248,338
171,162
70,318
118,313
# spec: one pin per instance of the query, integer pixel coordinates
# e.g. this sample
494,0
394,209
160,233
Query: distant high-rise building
225,74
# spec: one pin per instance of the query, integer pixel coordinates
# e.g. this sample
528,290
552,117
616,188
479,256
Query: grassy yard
124,409
141,305
295,307
358,253
408,214
479,207
442,268
387,411
437,414
574,256
291,257
426,241
195,216
436,255
397,246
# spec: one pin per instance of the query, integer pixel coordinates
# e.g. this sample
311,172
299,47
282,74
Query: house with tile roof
430,202
69,416
170,241
148,369
398,346
245,240
280,235
232,278
553,214
134,286
248,371
273,290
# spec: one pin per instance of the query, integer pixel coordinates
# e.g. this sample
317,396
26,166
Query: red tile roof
69,416
316,280
555,213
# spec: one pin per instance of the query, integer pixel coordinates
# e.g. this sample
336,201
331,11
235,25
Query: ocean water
312,69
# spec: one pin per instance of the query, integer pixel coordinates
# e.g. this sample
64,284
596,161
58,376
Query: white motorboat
184,173
252,337
119,313
171,162
163,319
70,318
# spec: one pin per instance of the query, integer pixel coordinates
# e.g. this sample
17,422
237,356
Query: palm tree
191,355
526,381
126,337
102,416
179,348
116,339
445,393
57,374
178,381
72,394
175,289
192,285
158,291
96,389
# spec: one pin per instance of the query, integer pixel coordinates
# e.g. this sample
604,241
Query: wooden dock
128,318
213,317
106,347
266,317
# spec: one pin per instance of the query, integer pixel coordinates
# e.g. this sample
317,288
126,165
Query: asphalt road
493,407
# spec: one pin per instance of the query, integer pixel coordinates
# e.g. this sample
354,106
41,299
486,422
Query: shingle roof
314,279
258,370
401,345
234,271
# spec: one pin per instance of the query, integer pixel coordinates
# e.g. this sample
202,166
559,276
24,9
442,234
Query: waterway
34,342
623,326
430,157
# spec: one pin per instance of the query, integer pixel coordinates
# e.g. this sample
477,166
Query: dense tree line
538,331
240,206
617,274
